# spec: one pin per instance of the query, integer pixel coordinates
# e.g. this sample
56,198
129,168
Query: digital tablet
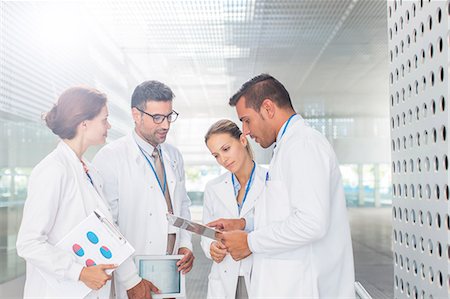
162,271
192,226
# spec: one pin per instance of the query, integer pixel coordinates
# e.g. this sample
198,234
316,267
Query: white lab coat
220,202
301,243
60,196
138,205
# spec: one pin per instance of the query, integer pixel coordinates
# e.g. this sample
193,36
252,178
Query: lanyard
287,124
163,188
86,170
282,133
247,188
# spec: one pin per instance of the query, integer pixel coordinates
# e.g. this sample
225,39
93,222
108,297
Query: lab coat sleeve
185,236
45,194
307,170
208,215
104,162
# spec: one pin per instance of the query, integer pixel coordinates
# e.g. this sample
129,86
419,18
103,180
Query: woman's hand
218,251
95,277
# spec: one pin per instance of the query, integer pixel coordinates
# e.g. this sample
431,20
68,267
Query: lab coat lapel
254,193
224,191
169,167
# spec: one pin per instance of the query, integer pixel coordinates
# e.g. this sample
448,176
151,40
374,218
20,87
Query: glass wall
23,145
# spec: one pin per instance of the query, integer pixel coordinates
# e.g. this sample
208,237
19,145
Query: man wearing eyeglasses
144,179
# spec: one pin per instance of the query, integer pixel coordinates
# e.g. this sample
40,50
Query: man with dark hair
301,241
144,179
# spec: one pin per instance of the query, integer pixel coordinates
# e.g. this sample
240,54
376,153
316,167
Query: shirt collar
294,119
144,145
236,184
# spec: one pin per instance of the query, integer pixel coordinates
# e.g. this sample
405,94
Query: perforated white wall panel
418,76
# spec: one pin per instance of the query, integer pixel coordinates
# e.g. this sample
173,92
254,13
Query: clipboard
192,226
92,242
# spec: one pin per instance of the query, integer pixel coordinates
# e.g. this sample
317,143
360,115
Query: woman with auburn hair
231,195
63,190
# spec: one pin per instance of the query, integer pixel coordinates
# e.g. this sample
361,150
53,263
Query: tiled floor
371,234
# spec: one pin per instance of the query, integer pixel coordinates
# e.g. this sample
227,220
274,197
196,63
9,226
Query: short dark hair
259,88
150,91
74,106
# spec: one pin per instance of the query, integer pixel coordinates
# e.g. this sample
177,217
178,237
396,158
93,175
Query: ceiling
331,55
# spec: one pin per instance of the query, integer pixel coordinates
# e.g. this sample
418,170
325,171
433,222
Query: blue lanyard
247,188
163,188
287,124
282,133
90,179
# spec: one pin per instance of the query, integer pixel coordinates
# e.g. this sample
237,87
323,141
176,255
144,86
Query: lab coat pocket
277,201
287,279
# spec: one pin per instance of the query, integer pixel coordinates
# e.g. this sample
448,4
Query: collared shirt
145,146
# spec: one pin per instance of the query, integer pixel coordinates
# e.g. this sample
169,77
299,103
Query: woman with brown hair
231,195
63,190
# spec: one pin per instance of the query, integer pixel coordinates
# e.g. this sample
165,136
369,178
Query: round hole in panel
422,271
414,242
431,274
440,279
429,219
433,107
430,247
422,28
413,217
430,23
441,74
437,192
432,78
445,162
443,133
446,192
439,249
428,191
442,103
436,163
440,44
439,15
438,221
434,135
425,137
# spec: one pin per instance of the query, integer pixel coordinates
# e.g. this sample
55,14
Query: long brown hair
74,106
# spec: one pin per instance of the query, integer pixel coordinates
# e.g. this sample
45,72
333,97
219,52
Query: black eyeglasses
159,118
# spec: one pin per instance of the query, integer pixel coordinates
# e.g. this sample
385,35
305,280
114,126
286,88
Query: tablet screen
162,273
